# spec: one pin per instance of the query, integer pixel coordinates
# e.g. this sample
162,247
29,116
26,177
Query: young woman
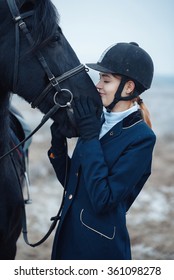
111,161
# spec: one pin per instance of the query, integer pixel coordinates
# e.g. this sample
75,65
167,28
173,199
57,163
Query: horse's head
29,61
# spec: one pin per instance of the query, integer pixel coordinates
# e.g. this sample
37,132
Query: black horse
38,64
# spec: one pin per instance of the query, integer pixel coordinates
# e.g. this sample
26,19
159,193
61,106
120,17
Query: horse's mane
43,28
45,20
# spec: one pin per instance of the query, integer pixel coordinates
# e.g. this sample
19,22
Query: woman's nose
98,85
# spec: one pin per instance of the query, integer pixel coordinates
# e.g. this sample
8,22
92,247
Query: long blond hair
145,111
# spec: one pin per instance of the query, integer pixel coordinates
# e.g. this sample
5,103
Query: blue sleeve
61,163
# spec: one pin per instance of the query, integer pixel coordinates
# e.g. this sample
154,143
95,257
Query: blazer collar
130,120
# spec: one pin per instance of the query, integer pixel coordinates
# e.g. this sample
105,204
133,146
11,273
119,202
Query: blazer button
77,174
111,133
70,196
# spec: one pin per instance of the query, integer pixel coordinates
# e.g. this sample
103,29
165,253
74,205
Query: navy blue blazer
104,178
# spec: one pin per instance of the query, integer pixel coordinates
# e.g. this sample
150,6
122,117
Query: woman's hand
88,123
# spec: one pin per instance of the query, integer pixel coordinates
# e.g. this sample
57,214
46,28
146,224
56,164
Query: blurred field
151,218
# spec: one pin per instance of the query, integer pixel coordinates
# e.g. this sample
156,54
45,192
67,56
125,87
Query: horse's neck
4,123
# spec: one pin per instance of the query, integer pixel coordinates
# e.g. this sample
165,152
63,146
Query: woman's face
107,87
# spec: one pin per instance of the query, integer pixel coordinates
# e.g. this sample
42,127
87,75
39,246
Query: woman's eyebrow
105,75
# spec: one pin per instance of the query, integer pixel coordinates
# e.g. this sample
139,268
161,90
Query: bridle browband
54,82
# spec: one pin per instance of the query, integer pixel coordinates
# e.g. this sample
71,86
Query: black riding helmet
130,62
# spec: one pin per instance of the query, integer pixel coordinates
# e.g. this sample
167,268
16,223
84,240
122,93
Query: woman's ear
130,86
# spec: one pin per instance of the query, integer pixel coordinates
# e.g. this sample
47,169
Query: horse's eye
56,38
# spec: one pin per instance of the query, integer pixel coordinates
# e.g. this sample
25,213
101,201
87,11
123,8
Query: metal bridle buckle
68,104
53,81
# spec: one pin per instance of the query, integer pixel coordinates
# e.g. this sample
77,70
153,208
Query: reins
43,121
54,219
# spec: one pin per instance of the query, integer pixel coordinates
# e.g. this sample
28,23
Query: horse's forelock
45,20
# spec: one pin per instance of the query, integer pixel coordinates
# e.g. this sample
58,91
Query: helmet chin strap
118,96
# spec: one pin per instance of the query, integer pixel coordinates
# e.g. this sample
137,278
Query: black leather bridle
54,82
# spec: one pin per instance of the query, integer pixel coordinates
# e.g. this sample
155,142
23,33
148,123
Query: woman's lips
101,93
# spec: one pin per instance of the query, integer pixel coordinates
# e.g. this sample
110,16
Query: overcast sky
92,25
